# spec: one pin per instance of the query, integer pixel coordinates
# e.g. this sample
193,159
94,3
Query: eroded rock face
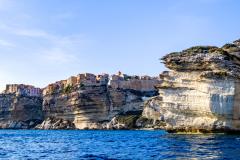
20,112
85,101
94,104
82,106
200,93
210,61
54,123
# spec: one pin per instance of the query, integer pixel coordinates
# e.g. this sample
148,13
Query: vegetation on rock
67,89
199,49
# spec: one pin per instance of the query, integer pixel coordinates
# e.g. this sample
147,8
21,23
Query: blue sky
42,41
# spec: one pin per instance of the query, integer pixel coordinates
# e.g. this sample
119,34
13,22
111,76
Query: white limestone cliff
200,93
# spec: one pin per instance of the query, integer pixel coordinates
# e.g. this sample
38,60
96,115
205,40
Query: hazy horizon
45,41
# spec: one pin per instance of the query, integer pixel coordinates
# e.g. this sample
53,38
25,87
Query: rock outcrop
54,123
200,93
20,112
86,101
91,102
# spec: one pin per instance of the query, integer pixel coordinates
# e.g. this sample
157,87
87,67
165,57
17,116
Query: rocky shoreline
85,101
199,94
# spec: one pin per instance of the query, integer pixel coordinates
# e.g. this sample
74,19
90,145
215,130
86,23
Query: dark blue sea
76,144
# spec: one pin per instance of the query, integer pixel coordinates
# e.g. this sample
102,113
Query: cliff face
20,112
83,106
200,93
86,101
91,102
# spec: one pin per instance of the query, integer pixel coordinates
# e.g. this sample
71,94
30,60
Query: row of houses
124,77
119,80
22,89
139,83
86,79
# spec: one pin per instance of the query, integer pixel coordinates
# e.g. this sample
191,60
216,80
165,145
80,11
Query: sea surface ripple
87,144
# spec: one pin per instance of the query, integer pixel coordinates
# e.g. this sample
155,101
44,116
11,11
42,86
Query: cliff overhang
201,92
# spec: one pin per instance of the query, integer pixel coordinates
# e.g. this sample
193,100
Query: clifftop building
116,81
143,83
22,89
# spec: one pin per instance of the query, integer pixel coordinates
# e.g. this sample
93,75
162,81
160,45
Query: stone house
91,78
102,79
116,78
21,89
49,89
35,92
72,81
144,83
11,88
86,78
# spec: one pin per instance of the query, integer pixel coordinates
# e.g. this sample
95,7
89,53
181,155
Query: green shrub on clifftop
199,49
68,89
